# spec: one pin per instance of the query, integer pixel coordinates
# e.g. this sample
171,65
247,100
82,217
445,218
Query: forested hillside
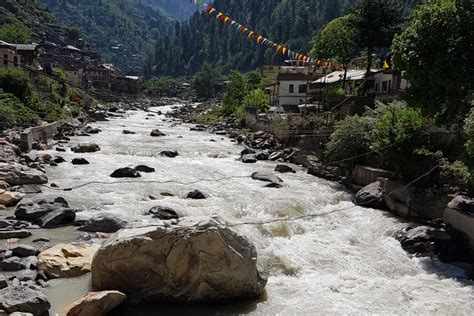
179,9
203,38
123,31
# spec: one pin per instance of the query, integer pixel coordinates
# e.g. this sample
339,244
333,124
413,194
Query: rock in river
46,214
80,161
7,234
157,133
125,173
66,260
163,213
169,154
103,223
86,148
371,196
16,174
284,169
194,260
9,198
143,168
266,177
250,158
26,299
96,304
196,195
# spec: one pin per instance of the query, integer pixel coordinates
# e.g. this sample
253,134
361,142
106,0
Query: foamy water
345,262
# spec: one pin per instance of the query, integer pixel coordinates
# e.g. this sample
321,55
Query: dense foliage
204,81
123,31
163,86
179,9
469,134
437,53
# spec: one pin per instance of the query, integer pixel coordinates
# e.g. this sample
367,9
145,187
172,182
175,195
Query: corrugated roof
26,46
293,77
339,75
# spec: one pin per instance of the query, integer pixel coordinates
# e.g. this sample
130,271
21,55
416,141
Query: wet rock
16,174
371,196
198,129
86,148
459,215
169,154
284,169
80,161
9,198
85,237
249,159
42,239
3,282
262,155
26,275
462,204
66,260
25,299
266,177
196,195
276,155
167,194
7,234
163,213
247,151
125,173
126,132
23,251
104,223
12,264
274,185
57,218
4,185
38,210
60,149
424,241
58,160
92,130
143,168
96,304
157,133
195,260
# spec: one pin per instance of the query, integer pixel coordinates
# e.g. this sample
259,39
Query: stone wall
39,133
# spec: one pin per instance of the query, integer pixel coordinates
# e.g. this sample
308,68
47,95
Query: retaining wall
39,134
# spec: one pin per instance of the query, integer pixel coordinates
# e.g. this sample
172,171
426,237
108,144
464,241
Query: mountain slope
179,9
123,31
203,38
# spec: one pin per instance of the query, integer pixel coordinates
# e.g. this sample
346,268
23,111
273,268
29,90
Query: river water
344,262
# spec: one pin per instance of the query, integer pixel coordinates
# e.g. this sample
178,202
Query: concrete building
291,90
29,54
9,56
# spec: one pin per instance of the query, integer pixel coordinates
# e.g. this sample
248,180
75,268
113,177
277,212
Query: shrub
13,111
469,134
398,133
456,177
16,82
351,138
235,93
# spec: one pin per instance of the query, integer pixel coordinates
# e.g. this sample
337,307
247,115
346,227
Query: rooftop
336,76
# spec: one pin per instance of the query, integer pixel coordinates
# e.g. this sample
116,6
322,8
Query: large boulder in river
103,223
459,215
284,169
26,299
190,260
266,177
66,260
9,198
125,173
46,214
157,133
169,153
16,174
96,304
143,168
196,195
163,213
371,196
86,148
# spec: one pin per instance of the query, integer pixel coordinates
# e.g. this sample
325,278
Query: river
344,262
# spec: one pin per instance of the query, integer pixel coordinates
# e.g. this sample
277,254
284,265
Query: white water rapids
342,263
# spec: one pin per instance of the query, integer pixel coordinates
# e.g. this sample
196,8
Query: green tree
399,133
16,82
377,22
469,134
15,33
352,137
436,52
235,92
204,81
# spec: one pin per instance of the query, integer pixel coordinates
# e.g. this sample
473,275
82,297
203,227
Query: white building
291,89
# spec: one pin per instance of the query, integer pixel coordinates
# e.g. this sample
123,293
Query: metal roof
336,76
26,46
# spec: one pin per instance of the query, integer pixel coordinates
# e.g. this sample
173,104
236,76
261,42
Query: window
303,88
270,68
384,86
15,60
292,88
5,60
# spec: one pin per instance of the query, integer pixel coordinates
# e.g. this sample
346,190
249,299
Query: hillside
179,9
203,38
122,31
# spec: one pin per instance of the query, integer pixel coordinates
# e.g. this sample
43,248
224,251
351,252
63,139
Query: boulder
169,154
103,223
125,173
25,299
4,185
251,158
157,133
8,198
95,304
3,282
266,177
143,168
23,251
284,169
86,148
262,155
163,213
58,160
92,130
80,161
126,132
371,196
66,260
16,174
7,234
459,215
247,151
196,195
12,264
46,214
58,218
193,260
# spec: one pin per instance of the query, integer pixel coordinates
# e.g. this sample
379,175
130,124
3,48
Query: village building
125,84
75,76
99,77
28,54
9,55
